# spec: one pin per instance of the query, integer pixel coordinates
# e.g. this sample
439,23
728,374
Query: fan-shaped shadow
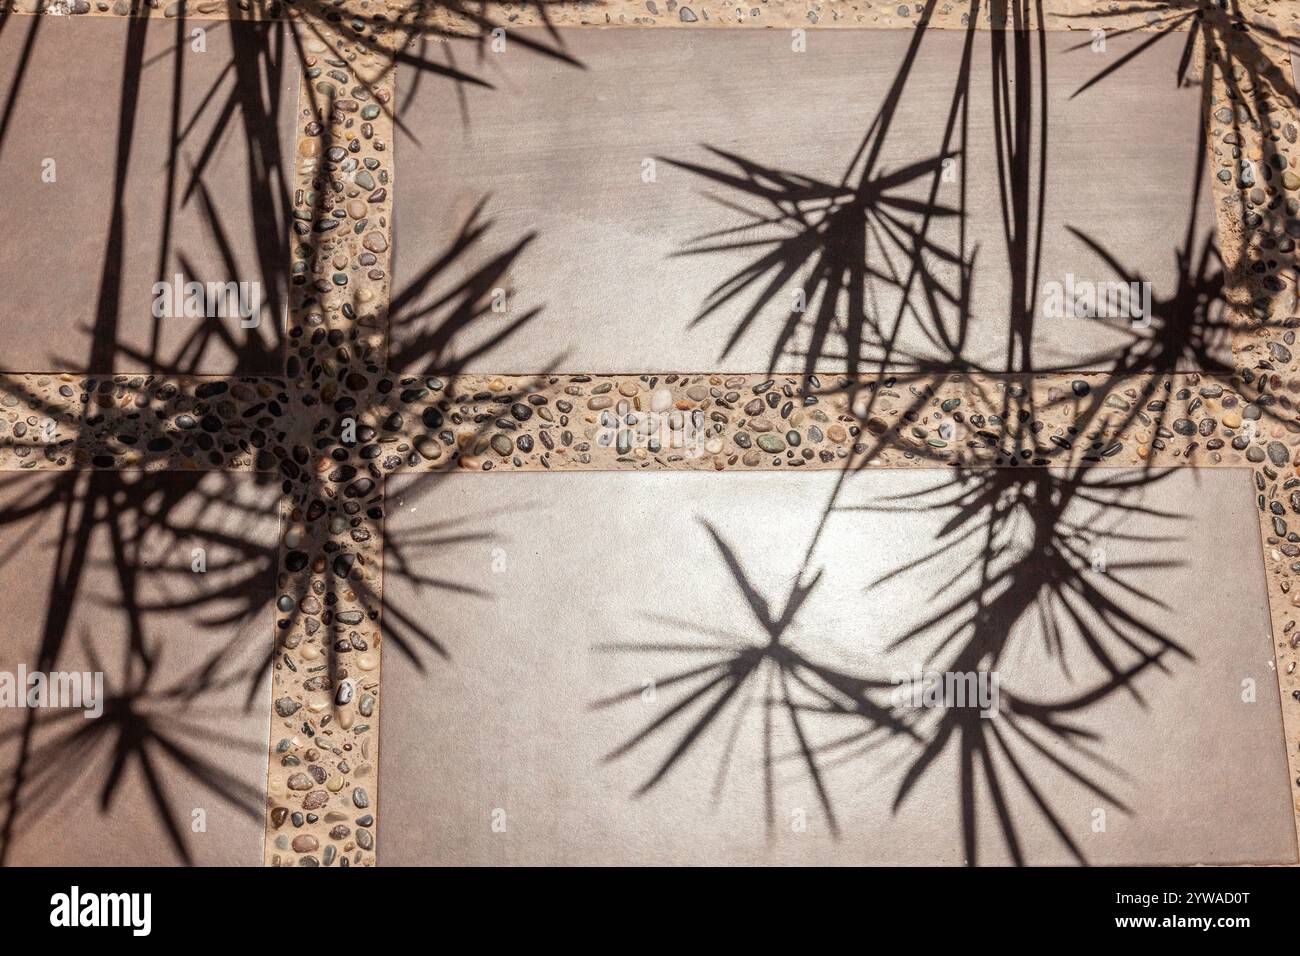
1221,43
1031,537
753,674
854,260
1019,549
866,287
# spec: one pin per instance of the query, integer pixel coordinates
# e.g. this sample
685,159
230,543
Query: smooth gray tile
543,174
1182,768
183,657
148,183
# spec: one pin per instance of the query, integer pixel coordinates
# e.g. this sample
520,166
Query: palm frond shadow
1032,584
236,592
417,31
856,260
1034,536
462,293
245,102
127,519
864,284
830,250
102,520
741,676
145,530
1220,41
1189,328
158,733
1201,24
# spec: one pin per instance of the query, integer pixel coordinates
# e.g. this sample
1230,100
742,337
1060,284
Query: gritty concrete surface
179,742
620,268
593,605
97,214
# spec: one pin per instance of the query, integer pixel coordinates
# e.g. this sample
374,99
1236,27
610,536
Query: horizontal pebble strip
140,422
640,422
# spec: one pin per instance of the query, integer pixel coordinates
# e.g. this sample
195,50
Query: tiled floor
451,471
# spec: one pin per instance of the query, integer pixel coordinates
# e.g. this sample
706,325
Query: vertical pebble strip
324,742
1252,128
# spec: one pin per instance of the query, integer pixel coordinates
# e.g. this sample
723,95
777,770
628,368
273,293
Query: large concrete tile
556,153
104,100
184,723
509,730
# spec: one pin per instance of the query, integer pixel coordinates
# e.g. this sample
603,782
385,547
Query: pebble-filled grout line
139,422
645,422
324,747
717,422
1252,127
323,766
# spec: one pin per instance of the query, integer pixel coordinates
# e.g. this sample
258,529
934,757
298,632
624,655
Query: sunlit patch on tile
667,669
